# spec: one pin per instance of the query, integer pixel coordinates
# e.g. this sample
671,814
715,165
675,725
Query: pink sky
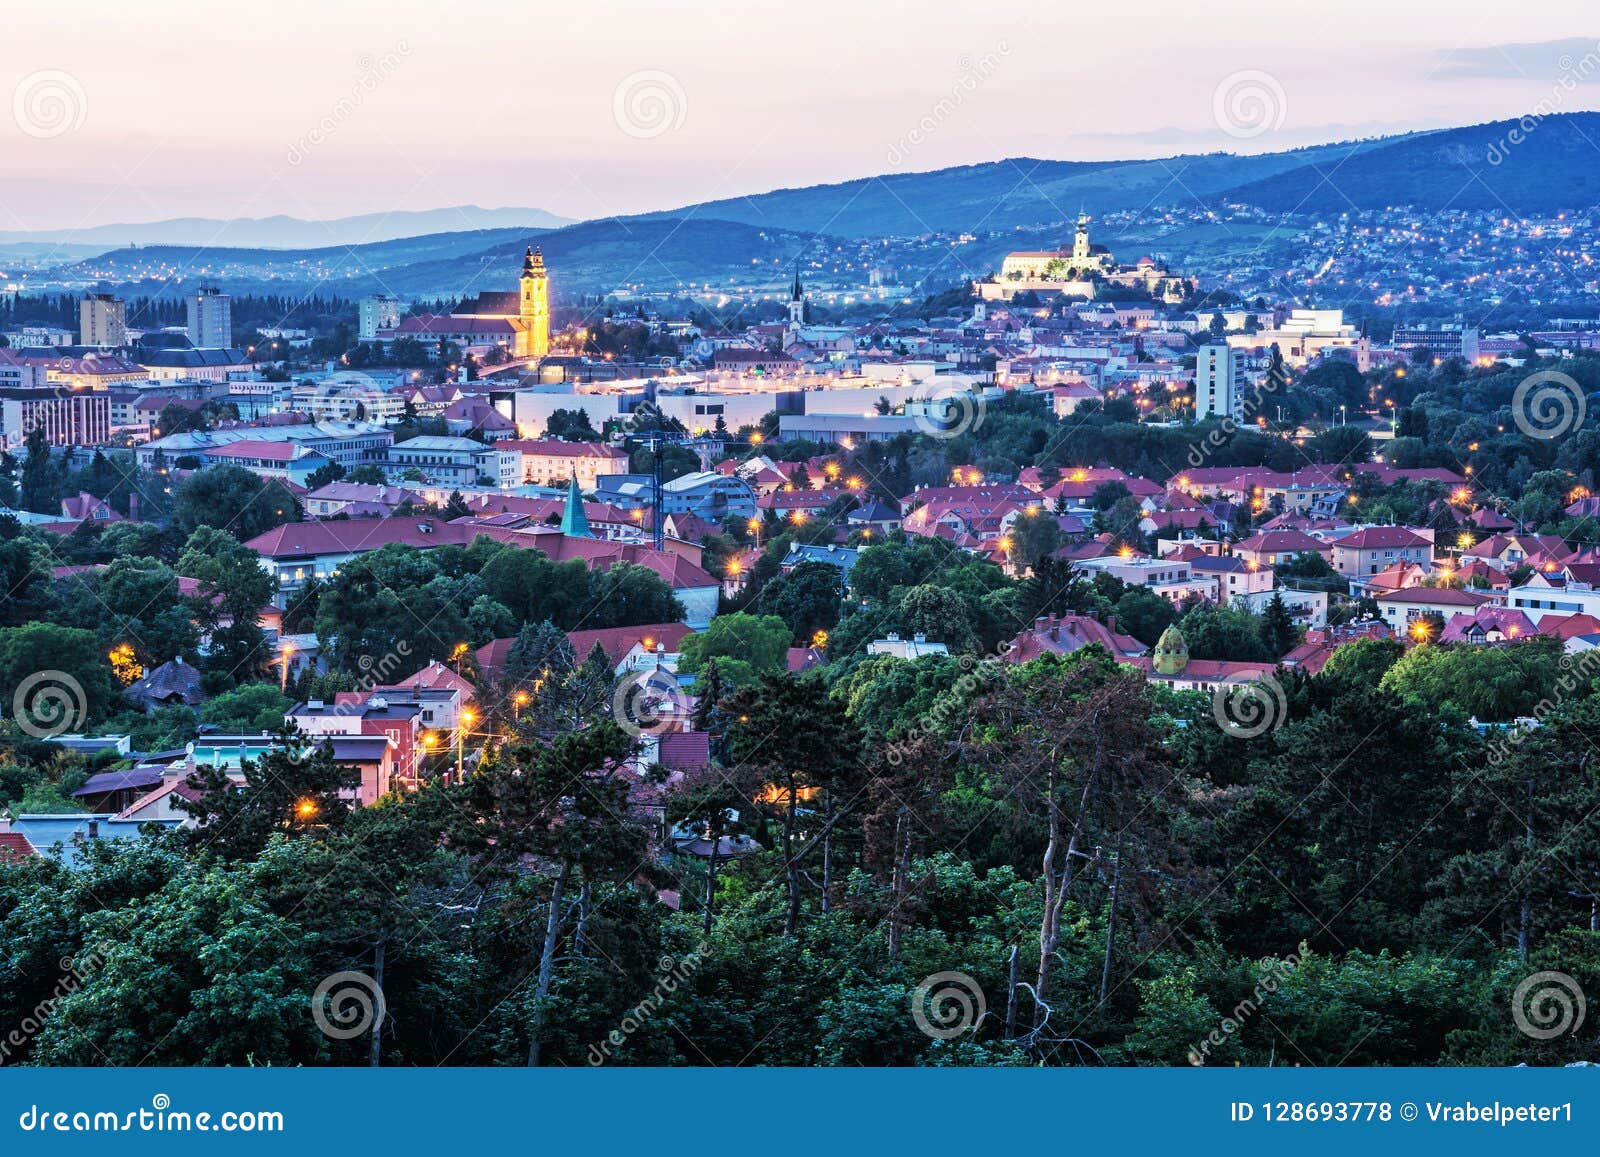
137,112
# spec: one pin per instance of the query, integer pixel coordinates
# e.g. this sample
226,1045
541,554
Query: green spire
574,522
1171,653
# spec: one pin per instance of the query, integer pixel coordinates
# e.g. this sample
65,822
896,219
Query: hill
284,232
1550,170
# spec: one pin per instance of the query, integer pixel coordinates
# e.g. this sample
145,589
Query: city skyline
511,108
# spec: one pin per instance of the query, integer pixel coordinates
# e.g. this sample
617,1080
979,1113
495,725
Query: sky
322,108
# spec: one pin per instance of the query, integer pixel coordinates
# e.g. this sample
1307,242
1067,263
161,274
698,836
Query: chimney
1111,623
94,829
133,506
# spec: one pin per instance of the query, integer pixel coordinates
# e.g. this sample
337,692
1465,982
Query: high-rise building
1217,390
211,318
102,321
379,312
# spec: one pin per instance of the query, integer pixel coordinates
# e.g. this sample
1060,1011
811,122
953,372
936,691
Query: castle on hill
1076,270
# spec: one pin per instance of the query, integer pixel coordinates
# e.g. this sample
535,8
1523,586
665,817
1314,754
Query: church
517,321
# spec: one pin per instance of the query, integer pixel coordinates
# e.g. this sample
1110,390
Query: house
1172,579
171,684
1366,552
1169,664
299,551
1400,609
842,557
358,498
368,713
1275,547
627,648
708,495
1063,634
916,647
551,462
1233,575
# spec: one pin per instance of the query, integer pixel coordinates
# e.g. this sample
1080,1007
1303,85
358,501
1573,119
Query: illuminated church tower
1080,241
535,305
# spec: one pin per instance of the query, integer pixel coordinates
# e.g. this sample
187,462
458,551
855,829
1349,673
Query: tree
295,789
233,499
41,482
54,679
807,599
1278,631
249,709
744,647
792,731
567,806
1072,738
233,589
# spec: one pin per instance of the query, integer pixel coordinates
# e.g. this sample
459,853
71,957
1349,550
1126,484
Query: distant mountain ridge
285,232
1552,169
1502,166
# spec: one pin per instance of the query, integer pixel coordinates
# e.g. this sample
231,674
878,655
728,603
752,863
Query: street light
466,721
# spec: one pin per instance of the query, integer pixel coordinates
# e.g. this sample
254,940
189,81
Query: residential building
76,419
378,312
1376,548
210,318
102,321
1218,392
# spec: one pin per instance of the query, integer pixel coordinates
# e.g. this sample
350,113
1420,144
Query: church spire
574,522
533,263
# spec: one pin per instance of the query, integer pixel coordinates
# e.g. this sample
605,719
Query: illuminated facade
535,307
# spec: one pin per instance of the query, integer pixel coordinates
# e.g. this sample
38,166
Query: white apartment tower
102,321
1218,392
379,312
211,318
